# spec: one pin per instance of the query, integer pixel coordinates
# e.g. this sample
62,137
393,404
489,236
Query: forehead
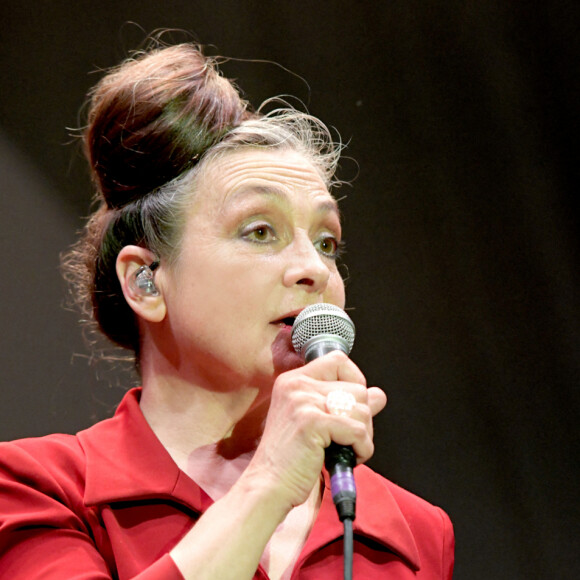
275,172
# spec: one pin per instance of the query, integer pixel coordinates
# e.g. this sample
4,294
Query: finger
377,400
335,366
359,391
353,432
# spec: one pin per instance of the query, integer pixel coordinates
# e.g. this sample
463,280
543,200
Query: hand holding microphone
304,416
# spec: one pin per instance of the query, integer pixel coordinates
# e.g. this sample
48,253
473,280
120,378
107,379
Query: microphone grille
322,319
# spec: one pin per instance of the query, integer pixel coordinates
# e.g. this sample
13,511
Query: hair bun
151,118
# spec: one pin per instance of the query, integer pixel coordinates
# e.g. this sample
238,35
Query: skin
222,387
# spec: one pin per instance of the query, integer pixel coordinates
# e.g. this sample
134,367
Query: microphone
320,329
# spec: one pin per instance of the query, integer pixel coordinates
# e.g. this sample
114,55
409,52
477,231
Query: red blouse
111,503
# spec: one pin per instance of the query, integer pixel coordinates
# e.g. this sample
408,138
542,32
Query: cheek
335,291
227,290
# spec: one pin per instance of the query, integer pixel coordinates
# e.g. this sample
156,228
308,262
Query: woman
215,229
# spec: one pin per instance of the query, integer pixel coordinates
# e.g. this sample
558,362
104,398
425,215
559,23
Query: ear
147,306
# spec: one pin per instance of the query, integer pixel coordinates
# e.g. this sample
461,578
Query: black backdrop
461,227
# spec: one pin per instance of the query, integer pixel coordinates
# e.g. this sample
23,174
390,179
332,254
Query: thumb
377,400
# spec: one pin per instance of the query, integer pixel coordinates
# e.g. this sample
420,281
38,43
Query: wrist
230,537
263,492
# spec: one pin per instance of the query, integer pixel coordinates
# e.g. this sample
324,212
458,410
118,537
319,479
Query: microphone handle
340,461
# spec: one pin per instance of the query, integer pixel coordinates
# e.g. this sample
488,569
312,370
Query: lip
287,320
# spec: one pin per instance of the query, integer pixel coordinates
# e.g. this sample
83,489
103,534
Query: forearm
229,539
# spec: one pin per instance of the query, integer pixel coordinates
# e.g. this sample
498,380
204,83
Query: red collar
126,461
378,517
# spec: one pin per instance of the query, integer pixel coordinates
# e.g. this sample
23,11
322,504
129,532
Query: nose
306,267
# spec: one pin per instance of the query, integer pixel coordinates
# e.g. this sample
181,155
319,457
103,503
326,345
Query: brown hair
152,117
149,121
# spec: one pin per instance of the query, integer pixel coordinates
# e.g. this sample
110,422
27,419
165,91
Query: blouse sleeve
46,531
448,547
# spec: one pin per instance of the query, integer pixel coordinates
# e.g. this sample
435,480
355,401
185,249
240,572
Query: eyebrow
330,205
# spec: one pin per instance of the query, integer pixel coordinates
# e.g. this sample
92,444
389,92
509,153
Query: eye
329,246
260,233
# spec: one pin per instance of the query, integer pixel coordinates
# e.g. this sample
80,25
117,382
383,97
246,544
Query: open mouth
288,318
286,321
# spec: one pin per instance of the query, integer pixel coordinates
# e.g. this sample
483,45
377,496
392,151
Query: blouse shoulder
53,465
41,454
430,526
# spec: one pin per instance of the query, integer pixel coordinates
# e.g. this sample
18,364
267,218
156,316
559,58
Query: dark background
461,227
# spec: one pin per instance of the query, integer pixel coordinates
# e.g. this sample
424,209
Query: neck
211,436
186,416
207,422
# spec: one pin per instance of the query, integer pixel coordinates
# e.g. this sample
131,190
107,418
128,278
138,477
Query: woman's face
259,245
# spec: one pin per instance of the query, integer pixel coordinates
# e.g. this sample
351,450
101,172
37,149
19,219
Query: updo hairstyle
153,123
